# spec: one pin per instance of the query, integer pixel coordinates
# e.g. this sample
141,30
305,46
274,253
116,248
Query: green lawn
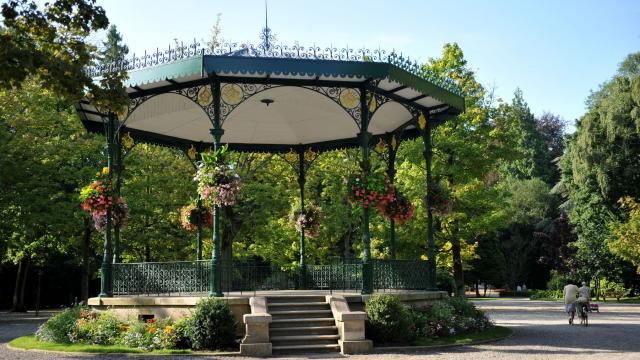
468,338
30,342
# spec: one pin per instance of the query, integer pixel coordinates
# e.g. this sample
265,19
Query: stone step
299,306
302,349
293,314
295,299
304,340
301,322
303,330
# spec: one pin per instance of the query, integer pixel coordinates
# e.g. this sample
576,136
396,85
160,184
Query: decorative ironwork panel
401,274
250,277
178,51
232,95
161,278
334,277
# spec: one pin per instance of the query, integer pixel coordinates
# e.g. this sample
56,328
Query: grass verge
31,343
495,332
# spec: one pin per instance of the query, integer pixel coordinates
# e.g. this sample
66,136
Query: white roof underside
297,116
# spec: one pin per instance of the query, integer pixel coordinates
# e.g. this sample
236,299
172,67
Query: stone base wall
176,307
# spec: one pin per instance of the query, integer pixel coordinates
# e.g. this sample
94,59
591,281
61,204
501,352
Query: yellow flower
98,174
105,170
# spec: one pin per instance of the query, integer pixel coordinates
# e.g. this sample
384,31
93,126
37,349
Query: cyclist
585,292
570,293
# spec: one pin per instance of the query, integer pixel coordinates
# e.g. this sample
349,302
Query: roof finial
266,36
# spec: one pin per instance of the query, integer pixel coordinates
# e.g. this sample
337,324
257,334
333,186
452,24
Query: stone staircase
302,324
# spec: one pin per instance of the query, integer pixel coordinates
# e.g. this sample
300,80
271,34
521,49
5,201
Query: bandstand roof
276,100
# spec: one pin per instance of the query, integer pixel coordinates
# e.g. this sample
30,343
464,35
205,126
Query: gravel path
541,332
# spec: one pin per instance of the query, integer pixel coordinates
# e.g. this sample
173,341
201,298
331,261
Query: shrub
388,320
58,328
182,339
613,289
445,281
449,317
94,328
212,325
546,295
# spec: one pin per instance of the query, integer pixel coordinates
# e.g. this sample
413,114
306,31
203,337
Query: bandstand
278,99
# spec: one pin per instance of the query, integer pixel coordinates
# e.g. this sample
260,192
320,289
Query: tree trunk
455,244
21,283
485,289
86,260
457,266
477,288
229,231
147,253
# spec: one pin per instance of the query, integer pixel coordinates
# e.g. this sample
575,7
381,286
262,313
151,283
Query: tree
468,149
601,166
50,45
47,156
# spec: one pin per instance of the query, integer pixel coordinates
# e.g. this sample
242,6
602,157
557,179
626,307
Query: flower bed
210,328
391,322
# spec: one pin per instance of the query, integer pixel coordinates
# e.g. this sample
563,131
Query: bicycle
583,314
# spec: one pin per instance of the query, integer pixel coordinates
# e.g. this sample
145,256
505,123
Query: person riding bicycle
585,292
570,294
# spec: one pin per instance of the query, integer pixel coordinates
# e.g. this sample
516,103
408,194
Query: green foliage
182,333
624,242
601,166
98,329
445,281
212,326
450,317
50,44
58,327
546,295
557,281
387,319
613,289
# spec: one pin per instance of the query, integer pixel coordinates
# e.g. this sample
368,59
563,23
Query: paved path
541,332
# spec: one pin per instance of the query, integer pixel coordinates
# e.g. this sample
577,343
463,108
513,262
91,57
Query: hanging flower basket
191,216
440,200
218,183
370,191
308,219
98,197
400,209
119,215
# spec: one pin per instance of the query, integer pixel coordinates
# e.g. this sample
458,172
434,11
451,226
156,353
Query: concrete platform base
350,347
258,350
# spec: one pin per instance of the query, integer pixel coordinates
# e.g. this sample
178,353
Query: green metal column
391,173
215,278
199,233
428,153
364,136
302,179
118,172
105,278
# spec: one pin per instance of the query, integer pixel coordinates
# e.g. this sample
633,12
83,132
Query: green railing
400,275
161,277
175,278
334,277
251,277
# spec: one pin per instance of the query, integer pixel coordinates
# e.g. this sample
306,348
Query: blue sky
555,51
